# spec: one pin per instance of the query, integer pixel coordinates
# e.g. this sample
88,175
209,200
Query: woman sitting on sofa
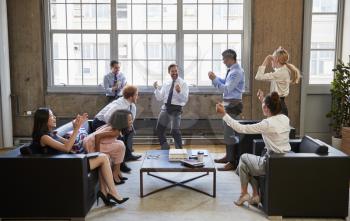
275,132
104,140
50,143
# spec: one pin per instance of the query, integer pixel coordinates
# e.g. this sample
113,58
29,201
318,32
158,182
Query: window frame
308,88
98,89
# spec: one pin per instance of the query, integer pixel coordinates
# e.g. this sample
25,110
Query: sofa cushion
309,145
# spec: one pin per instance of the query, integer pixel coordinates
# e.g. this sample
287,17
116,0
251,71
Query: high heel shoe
122,178
242,199
254,200
110,197
119,182
105,199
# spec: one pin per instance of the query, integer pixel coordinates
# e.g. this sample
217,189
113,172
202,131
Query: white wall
346,33
5,93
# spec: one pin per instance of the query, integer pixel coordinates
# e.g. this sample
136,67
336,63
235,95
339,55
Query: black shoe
110,197
124,168
105,199
118,183
133,158
123,178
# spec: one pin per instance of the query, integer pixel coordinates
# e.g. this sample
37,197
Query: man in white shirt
127,102
174,95
114,82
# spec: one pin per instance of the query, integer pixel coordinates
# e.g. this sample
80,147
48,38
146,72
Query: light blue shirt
233,86
109,81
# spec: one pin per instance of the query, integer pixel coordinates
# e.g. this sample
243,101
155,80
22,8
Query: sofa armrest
306,184
44,186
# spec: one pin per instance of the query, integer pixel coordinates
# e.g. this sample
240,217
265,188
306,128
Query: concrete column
6,137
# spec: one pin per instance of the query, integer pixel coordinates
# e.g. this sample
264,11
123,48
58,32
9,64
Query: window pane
219,68
88,1
75,72
126,68
139,72
154,16
219,45
90,72
104,16
220,17
123,17
323,32
324,5
74,46
124,47
103,1
139,46
190,72
139,17
169,17
190,17
235,20
169,47
235,43
205,17
154,72
89,46
59,50
321,65
73,16
60,72
205,42
103,46
103,69
89,16
190,47
154,47
203,68
58,16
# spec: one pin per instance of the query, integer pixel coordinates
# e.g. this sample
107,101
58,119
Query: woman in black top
50,143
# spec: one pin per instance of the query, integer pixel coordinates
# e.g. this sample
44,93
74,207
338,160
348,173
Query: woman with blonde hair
283,75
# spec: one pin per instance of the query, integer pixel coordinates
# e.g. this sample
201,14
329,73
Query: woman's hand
79,121
220,109
260,95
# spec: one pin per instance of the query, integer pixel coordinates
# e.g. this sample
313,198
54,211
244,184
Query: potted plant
340,109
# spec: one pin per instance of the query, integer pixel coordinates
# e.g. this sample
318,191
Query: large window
145,36
323,43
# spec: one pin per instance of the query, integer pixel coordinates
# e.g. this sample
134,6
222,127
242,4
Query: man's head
173,71
130,93
115,66
229,57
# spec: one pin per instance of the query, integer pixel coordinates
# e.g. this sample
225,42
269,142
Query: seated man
127,102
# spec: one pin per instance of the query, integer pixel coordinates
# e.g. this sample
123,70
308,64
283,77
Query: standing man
114,82
232,87
127,102
174,95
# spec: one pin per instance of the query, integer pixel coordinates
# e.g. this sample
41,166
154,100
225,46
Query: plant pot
345,141
336,142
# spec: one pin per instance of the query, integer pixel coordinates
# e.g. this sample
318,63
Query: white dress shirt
280,79
119,104
178,98
274,130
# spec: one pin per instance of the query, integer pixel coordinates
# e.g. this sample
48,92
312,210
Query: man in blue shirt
232,87
114,82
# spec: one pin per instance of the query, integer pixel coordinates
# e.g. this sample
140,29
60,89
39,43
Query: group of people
113,130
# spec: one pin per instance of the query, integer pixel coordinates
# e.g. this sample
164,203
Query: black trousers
284,109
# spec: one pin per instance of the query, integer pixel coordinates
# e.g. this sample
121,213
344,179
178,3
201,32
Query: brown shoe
227,167
222,160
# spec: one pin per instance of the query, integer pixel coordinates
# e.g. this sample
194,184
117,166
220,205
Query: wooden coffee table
158,161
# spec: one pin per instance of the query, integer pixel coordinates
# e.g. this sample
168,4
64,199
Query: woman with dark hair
50,143
104,140
275,132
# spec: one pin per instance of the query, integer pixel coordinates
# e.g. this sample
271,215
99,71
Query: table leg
141,183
